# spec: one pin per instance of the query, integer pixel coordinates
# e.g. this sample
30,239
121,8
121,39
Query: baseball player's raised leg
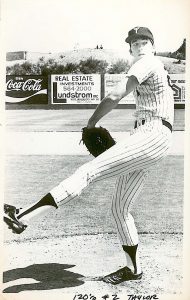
17,219
140,151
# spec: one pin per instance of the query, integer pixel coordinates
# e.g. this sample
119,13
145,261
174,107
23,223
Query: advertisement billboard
27,89
75,89
177,82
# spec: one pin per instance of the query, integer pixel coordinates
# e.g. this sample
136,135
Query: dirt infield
74,264
67,143
118,120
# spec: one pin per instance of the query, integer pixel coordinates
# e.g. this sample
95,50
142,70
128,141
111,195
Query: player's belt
164,122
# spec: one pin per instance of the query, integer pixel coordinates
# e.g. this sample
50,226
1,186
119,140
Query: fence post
102,93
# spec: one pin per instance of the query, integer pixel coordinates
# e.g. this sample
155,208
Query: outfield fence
73,90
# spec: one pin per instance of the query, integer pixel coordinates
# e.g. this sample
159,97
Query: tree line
51,66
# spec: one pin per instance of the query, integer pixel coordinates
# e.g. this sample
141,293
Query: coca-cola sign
28,85
26,89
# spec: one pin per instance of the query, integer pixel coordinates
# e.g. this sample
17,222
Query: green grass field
158,210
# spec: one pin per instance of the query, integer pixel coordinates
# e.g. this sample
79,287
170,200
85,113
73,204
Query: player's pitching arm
112,100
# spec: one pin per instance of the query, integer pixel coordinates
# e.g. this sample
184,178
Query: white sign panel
75,89
111,80
177,82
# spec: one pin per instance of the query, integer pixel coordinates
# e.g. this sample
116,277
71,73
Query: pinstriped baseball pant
129,161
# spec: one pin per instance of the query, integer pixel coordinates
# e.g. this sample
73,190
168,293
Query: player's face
141,47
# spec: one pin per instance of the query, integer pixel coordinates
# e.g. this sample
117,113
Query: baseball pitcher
129,160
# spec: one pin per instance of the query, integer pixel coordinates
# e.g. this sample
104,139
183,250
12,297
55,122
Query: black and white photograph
94,149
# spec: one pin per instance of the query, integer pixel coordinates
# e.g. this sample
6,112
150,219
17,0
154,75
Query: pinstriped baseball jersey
154,96
130,161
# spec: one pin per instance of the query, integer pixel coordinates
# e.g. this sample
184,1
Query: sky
61,25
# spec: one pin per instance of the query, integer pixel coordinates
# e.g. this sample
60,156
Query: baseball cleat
11,220
124,274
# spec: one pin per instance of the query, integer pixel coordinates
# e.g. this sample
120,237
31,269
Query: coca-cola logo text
28,85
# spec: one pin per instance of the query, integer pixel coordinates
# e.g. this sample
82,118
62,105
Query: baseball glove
97,140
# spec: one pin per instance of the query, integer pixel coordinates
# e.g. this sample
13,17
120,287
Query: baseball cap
138,32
